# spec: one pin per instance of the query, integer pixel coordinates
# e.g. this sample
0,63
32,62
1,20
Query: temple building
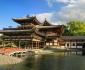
32,34
72,42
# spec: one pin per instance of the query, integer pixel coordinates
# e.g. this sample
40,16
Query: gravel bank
9,60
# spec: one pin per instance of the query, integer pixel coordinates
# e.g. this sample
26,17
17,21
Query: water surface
55,62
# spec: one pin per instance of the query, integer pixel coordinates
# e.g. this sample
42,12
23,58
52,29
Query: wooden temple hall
31,33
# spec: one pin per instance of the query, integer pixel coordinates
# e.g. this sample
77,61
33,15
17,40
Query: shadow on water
30,62
7,66
2,68
52,62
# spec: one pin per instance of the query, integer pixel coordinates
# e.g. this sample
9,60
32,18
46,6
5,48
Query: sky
55,11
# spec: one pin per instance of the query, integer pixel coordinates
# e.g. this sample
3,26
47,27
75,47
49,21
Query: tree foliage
74,28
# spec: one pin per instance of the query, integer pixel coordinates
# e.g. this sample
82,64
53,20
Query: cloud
73,10
48,16
44,16
68,2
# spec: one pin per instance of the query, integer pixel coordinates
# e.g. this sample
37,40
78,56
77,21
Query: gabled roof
27,20
73,38
14,31
46,23
47,27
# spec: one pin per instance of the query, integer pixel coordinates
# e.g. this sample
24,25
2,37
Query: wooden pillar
36,44
28,44
3,43
11,43
25,44
70,48
83,49
70,45
49,43
57,42
44,44
32,44
19,44
65,45
53,43
76,47
39,44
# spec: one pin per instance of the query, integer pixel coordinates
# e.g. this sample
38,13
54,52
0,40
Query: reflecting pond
54,62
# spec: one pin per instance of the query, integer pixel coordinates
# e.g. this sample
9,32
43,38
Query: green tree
74,28
66,31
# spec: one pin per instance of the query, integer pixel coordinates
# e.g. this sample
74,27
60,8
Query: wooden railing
17,37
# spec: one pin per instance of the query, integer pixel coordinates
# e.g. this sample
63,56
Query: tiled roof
26,20
46,27
4,31
72,38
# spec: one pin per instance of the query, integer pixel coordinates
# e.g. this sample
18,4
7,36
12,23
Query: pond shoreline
5,60
46,58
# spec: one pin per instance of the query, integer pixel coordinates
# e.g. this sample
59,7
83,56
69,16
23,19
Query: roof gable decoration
36,21
46,23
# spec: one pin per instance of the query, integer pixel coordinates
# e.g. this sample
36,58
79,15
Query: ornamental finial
27,16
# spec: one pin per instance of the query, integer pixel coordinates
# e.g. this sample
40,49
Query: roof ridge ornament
46,23
45,19
28,16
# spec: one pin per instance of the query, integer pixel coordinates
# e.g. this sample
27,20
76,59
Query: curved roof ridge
26,20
